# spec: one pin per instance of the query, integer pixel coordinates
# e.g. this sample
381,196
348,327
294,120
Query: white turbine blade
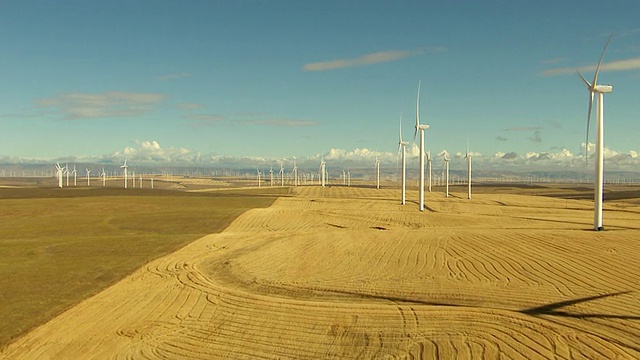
584,80
415,133
586,143
595,77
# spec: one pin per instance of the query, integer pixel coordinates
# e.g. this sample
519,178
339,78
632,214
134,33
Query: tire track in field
282,283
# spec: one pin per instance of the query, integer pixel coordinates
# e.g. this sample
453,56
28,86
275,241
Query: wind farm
497,231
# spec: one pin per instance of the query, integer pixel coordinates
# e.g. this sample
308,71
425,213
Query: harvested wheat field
350,273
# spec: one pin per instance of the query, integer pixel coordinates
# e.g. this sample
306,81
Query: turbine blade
595,78
400,129
584,80
415,133
586,144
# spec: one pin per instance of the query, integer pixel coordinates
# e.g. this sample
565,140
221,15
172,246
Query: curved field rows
350,273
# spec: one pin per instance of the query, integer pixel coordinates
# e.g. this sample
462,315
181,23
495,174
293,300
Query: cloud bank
368,59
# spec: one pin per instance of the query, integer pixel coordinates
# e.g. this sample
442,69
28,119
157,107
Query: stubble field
350,273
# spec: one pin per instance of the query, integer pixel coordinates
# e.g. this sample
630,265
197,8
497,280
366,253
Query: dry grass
59,246
349,273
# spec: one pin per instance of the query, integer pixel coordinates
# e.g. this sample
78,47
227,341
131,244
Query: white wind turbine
344,177
133,179
348,177
140,181
59,171
295,173
323,169
271,176
258,170
66,171
75,176
446,168
428,154
281,174
124,172
104,177
377,173
468,157
88,176
594,88
420,128
402,148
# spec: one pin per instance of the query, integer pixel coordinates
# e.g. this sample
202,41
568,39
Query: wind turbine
133,179
104,177
258,170
88,177
124,169
402,148
75,176
59,171
446,168
323,169
344,177
140,181
271,176
66,171
349,177
428,153
420,128
295,173
281,174
377,173
594,88
468,157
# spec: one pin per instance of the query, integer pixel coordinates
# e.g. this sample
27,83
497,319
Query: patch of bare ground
313,276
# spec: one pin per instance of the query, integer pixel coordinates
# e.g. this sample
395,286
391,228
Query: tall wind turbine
323,169
104,177
124,172
349,177
88,176
402,148
420,128
428,154
281,174
75,176
295,173
66,171
59,171
377,173
271,176
468,157
258,170
446,168
600,90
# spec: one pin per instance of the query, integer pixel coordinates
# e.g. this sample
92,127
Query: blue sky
182,81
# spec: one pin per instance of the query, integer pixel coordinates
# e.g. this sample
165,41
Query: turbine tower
420,128
66,171
124,172
446,168
377,173
349,177
323,169
402,148
600,90
88,176
75,176
59,171
295,173
258,170
468,157
428,154
271,176
104,177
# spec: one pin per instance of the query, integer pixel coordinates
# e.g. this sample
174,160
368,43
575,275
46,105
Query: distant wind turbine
75,176
402,149
468,157
421,129
66,171
258,170
124,172
271,176
281,174
88,176
594,88
377,173
295,173
104,177
446,168
59,171
323,169
349,177
428,154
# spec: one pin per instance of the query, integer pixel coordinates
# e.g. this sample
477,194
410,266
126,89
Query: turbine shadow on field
587,227
552,309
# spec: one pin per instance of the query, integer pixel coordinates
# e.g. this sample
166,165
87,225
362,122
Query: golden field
350,273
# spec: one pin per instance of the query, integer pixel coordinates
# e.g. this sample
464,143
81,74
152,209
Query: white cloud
368,59
620,65
76,106
190,106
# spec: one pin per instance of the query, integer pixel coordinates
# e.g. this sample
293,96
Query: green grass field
59,246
